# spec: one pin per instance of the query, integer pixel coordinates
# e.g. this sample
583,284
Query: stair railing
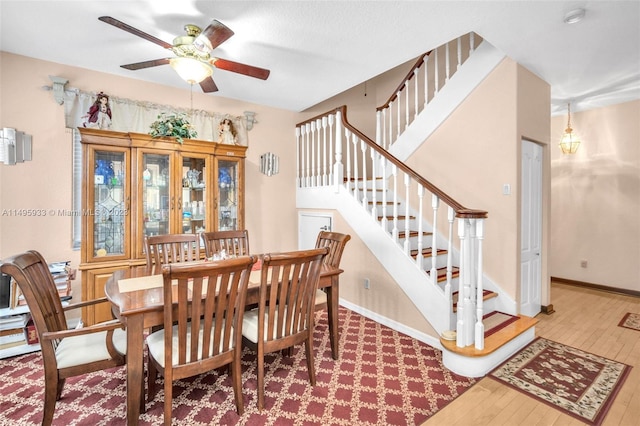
427,77
333,153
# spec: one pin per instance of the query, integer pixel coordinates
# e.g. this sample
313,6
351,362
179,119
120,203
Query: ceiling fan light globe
191,70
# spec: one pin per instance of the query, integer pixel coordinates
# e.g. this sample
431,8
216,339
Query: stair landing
494,341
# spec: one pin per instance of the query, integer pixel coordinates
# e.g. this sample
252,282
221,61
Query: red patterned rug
630,320
382,378
578,383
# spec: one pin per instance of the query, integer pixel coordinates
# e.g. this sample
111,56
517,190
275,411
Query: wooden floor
583,318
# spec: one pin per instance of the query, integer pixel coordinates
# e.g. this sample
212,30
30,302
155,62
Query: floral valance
129,115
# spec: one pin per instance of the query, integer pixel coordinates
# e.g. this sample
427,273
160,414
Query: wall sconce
269,164
570,142
58,88
15,146
250,119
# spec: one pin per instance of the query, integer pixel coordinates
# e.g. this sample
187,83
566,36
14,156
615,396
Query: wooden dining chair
65,353
285,313
172,248
336,243
201,332
235,242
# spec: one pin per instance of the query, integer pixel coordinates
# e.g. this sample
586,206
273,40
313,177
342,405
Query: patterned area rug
630,320
578,383
382,378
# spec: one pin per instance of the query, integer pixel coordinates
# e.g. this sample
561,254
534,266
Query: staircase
428,242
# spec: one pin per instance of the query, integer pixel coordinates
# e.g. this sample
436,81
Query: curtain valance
136,116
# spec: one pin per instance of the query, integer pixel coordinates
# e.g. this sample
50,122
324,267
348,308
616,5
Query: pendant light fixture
570,142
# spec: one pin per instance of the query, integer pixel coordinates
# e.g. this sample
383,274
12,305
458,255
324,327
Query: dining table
137,300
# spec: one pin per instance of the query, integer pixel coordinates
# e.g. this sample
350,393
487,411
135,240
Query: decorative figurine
99,115
227,133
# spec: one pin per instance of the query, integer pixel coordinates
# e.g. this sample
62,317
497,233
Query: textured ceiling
317,49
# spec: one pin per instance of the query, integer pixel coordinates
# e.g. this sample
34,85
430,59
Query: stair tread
390,217
442,273
486,295
402,234
426,251
494,341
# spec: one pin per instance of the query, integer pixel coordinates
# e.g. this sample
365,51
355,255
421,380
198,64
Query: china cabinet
135,186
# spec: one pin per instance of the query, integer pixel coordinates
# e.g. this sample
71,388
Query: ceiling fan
193,60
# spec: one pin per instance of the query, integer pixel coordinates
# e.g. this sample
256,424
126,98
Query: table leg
333,293
135,369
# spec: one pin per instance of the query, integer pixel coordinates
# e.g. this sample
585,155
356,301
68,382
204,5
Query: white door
531,232
309,226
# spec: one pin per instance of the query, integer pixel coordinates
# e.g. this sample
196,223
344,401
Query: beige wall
45,182
596,198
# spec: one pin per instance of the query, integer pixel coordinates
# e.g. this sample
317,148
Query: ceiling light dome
191,70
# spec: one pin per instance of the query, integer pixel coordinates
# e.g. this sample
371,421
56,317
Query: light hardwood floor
583,318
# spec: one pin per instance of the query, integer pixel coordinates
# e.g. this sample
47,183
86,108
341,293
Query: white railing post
459,52
305,153
479,231
385,184
420,255
435,205
347,146
406,104
312,151
338,167
374,182
407,221
325,158
447,287
415,92
394,231
436,73
399,94
426,82
447,65
466,311
298,156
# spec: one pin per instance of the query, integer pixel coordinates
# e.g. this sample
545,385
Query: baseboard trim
592,286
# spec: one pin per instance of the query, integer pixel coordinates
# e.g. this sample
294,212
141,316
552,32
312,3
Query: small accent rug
630,320
496,321
578,383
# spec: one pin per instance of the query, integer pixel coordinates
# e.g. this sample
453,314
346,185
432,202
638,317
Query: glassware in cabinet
108,221
229,189
155,193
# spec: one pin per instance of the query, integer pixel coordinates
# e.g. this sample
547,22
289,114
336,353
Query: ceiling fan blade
146,64
208,85
212,36
232,66
135,31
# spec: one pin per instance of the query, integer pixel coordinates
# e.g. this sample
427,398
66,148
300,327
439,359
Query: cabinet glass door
228,193
110,217
155,182
195,199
